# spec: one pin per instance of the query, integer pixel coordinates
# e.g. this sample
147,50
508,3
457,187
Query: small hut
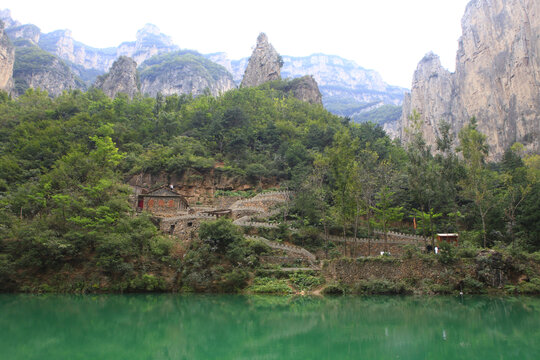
449,238
163,201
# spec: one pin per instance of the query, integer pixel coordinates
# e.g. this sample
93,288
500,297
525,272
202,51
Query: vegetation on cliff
65,215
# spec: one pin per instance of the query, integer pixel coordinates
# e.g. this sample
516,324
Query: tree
363,186
426,222
479,183
219,234
385,213
341,159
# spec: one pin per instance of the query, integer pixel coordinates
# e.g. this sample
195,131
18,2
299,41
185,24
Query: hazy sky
390,36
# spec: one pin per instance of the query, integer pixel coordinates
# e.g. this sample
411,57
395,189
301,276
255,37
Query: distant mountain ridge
347,89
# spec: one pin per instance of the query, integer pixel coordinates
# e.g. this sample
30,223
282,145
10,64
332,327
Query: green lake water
267,327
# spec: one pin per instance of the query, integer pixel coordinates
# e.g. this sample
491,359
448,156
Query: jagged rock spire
264,65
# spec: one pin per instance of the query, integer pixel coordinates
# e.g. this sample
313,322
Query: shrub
147,282
304,281
235,280
334,289
529,287
161,246
269,286
446,253
472,286
219,234
466,252
380,287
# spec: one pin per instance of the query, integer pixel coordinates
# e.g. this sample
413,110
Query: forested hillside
64,161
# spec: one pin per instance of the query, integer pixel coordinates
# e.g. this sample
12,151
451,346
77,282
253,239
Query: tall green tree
480,182
385,212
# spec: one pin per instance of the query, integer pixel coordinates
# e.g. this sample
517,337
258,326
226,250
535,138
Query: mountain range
55,61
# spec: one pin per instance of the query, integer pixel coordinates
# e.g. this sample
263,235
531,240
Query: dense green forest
64,161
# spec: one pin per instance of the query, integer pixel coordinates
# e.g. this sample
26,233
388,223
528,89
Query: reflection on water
267,327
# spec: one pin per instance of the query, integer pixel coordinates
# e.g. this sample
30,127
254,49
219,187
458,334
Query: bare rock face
5,16
7,59
431,96
62,44
497,77
28,32
183,72
264,65
36,68
150,42
122,78
306,89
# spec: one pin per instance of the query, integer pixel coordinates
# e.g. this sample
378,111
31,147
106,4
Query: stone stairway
293,249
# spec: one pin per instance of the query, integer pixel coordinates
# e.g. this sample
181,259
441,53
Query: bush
235,280
269,286
161,246
466,252
529,287
219,234
472,286
304,281
380,287
446,253
147,282
334,289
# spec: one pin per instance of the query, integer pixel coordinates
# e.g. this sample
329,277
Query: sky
389,36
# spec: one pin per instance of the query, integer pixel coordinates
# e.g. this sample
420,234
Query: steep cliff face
183,72
150,42
7,59
36,68
5,16
306,89
433,89
62,44
497,77
122,78
264,65
28,32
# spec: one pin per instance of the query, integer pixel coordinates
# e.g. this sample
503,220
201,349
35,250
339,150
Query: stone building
163,201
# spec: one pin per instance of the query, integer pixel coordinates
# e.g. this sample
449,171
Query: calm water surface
267,327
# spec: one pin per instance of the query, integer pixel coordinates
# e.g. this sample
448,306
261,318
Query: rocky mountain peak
306,89
5,16
153,33
264,65
122,78
27,32
496,80
148,29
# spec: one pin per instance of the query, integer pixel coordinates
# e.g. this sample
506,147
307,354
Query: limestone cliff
264,65
5,16
7,59
62,44
306,89
28,32
432,96
497,77
183,72
36,68
122,78
150,41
